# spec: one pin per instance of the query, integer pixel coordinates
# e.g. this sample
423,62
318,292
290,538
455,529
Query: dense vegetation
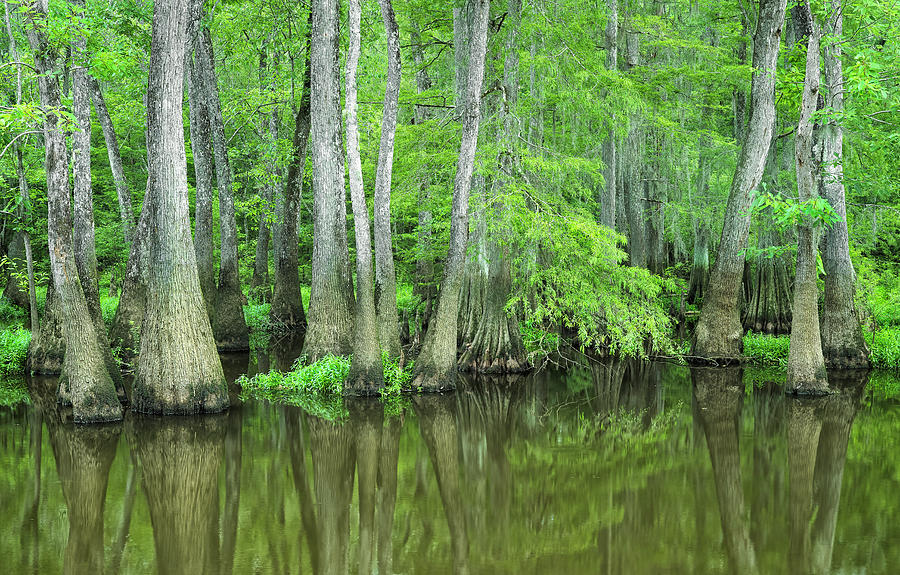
481,186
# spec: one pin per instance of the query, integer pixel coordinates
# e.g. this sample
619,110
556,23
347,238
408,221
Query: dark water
628,468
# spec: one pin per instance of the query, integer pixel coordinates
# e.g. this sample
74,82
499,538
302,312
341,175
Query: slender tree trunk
385,276
229,327
366,374
201,150
608,199
123,192
331,293
806,363
259,285
719,331
85,381
368,418
496,346
178,369
436,366
842,339
387,492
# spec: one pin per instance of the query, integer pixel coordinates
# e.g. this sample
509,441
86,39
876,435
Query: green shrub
10,312
884,346
13,392
538,342
13,347
395,376
766,349
108,307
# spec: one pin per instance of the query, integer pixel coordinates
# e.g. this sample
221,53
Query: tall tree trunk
806,363
85,379
368,418
125,331
842,339
366,374
85,249
229,327
201,150
803,429
436,366
331,293
719,331
385,276
178,369
48,344
608,199
287,301
123,192
496,346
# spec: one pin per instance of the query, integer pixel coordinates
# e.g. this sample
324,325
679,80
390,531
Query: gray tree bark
436,366
331,293
123,192
719,331
178,369
385,276
806,363
229,327
608,198
366,374
842,340
85,381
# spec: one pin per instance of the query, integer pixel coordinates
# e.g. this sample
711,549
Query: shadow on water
621,467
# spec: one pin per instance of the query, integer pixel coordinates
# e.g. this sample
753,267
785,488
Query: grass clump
884,348
13,348
764,349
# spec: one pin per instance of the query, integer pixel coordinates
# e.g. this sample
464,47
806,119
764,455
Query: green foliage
13,392
764,349
108,307
315,387
884,347
9,312
396,377
788,213
13,349
538,342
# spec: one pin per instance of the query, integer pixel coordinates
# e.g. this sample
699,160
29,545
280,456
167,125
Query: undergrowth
764,349
13,348
884,347
13,392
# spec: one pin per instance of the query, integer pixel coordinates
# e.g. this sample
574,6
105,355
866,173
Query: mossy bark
330,327
718,336
178,368
435,368
48,346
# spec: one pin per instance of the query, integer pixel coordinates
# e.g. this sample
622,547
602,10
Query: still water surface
625,468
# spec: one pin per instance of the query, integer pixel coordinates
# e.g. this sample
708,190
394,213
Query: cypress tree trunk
229,327
85,381
436,366
201,150
48,345
287,301
178,369
180,459
842,339
366,374
496,345
125,331
700,267
331,293
806,363
123,192
385,276
608,198
83,232
368,418
719,331
769,307
387,492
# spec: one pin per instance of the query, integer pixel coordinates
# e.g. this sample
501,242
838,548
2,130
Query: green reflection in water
616,468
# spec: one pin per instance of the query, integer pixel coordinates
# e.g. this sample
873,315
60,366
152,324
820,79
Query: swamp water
625,468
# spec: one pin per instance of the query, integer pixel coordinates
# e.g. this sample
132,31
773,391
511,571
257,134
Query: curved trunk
230,326
178,369
385,276
806,363
436,367
85,381
331,294
366,374
287,301
180,459
123,192
719,331
842,340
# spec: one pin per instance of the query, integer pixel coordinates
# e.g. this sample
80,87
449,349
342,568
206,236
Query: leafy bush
108,307
766,349
538,342
10,312
13,392
395,376
13,347
884,346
